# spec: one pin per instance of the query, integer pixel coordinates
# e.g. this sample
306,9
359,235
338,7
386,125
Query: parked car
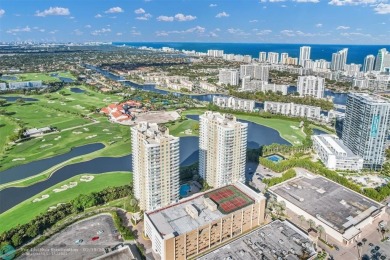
377,248
79,241
95,238
100,232
337,248
370,244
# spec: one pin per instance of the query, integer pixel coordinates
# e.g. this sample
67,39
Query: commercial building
228,76
292,109
343,213
365,127
311,86
276,240
155,165
382,63
222,149
339,59
335,155
304,54
369,62
234,103
203,221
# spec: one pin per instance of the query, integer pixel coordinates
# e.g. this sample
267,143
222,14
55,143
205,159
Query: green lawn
49,110
288,130
27,210
7,128
178,128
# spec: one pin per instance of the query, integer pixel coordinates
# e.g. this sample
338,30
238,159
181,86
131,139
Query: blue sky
263,21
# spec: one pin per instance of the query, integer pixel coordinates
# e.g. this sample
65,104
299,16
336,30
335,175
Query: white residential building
262,56
207,86
215,53
273,57
382,62
228,76
222,149
234,103
155,161
334,154
255,71
25,84
304,54
369,62
283,58
258,85
339,59
311,86
292,109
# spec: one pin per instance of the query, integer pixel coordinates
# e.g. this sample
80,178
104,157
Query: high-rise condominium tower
339,59
304,54
369,62
155,165
311,86
382,63
365,127
222,149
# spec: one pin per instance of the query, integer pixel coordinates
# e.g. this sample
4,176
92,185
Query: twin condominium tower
156,176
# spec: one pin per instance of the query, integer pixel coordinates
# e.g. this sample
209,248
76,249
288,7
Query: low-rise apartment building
234,103
292,109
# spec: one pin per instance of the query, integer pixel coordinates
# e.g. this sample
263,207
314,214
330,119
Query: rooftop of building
334,205
200,209
371,98
154,132
122,253
226,120
333,145
277,240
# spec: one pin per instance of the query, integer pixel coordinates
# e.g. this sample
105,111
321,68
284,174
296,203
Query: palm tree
301,218
311,223
321,230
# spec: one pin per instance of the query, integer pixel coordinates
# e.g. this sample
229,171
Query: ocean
356,53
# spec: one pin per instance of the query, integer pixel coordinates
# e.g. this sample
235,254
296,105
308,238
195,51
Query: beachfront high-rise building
339,59
273,57
304,54
283,58
155,165
222,149
262,56
311,86
365,127
383,61
369,62
215,53
228,76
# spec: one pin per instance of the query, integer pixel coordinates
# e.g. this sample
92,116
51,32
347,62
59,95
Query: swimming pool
184,189
275,158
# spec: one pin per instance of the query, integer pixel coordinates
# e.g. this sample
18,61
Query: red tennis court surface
229,199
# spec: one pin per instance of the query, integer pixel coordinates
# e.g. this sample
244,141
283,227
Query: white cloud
264,32
177,17
114,10
163,18
342,27
145,17
237,31
53,11
213,34
355,34
319,25
139,11
223,14
253,21
134,32
184,18
307,1
213,5
382,8
88,26
289,33
42,30
283,6
351,2
276,1
2,12
196,29
98,16
77,32
101,31
119,34
16,30
53,32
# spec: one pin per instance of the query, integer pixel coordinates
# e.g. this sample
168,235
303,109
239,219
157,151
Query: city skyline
273,21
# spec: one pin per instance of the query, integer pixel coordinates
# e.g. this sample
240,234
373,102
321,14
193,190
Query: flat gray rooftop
277,239
331,203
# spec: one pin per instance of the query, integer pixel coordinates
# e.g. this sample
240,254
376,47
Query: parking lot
83,240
